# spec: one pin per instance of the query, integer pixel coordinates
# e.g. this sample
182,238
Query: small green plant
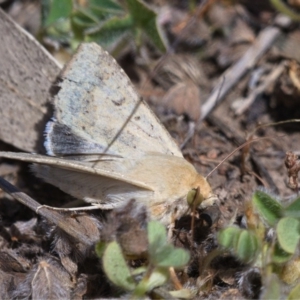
112,24
161,256
270,242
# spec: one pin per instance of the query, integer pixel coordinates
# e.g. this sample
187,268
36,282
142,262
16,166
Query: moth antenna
274,124
235,150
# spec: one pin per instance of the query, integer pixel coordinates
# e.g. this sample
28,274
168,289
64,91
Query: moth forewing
95,99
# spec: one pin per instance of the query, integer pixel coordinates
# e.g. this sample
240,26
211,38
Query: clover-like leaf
163,254
247,246
268,208
172,257
288,234
116,268
280,256
242,243
293,210
228,237
157,278
157,237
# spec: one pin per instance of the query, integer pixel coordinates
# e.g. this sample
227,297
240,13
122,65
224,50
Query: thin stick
232,75
175,280
247,102
52,216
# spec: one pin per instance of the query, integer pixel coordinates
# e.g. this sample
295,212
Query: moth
90,158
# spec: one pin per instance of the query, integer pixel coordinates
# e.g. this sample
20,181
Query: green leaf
100,248
157,237
145,18
115,267
85,18
96,13
155,34
158,277
279,256
242,243
247,246
139,270
293,210
288,234
270,209
161,253
107,6
112,24
59,10
172,257
228,237
295,293
111,32
140,12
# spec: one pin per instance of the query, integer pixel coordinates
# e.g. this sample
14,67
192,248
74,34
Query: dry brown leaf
50,281
184,98
127,225
178,68
242,33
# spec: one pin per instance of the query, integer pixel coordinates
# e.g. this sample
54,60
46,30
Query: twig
72,228
190,134
232,75
176,282
246,102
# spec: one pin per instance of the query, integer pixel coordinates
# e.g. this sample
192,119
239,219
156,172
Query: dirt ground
185,81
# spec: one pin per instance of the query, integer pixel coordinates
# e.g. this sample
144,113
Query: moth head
199,196
203,193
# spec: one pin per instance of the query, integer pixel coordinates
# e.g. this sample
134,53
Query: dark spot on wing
119,102
64,141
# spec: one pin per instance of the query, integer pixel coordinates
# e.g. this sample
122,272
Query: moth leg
213,199
92,207
171,226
